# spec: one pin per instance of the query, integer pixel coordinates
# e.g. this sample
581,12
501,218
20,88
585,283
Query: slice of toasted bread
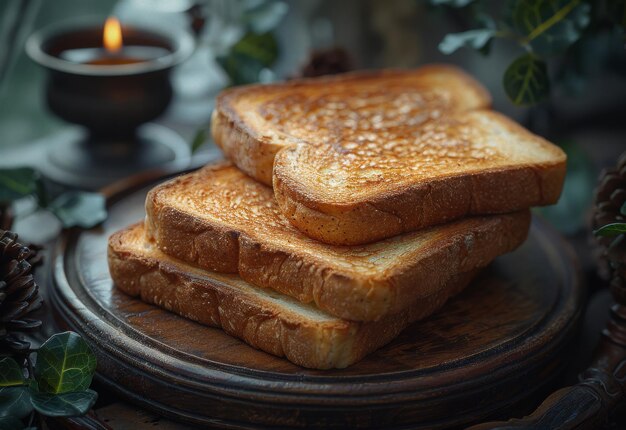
364,157
252,123
467,164
266,320
218,218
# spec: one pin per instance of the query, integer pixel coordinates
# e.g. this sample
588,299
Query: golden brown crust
362,283
280,327
419,204
254,154
253,150
335,182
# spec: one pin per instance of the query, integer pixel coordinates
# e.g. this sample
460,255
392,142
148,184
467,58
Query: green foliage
58,387
64,405
257,49
79,209
17,183
11,373
251,54
550,26
15,402
73,208
476,39
611,229
65,363
526,80
544,30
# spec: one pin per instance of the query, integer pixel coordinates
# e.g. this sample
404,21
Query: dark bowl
108,100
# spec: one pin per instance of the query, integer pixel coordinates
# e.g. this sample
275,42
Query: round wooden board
481,356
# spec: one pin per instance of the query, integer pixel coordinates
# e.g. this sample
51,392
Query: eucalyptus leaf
611,229
15,402
198,140
550,26
526,80
453,3
79,209
17,183
261,47
10,423
11,373
264,16
476,39
66,404
248,57
65,363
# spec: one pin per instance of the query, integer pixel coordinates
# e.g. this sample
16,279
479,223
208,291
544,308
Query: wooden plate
483,355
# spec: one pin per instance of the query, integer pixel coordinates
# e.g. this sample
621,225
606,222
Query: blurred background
240,42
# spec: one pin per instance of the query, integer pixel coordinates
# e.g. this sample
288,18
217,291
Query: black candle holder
114,103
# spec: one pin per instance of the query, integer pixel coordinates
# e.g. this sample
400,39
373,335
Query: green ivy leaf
453,3
79,209
264,16
17,183
611,229
66,404
15,402
198,140
65,363
251,54
10,423
550,26
477,39
11,373
526,80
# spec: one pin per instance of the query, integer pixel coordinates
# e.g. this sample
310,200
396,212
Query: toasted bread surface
265,319
252,123
358,158
217,218
464,164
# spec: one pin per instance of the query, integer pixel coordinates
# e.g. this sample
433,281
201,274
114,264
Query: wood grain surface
481,357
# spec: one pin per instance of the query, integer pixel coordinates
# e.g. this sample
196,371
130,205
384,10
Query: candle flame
112,36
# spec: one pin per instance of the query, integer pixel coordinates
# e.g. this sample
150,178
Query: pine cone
610,197
19,294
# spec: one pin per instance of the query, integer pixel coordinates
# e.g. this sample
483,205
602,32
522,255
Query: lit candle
114,52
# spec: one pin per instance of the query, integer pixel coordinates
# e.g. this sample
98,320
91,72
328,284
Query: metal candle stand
113,103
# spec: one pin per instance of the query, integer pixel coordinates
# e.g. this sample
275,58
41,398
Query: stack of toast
351,207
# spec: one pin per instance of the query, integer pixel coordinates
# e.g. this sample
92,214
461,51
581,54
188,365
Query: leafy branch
72,208
56,386
541,29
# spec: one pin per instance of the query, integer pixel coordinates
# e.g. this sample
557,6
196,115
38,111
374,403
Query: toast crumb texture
362,157
263,318
219,219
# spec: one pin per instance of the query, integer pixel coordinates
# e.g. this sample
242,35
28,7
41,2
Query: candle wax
127,55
